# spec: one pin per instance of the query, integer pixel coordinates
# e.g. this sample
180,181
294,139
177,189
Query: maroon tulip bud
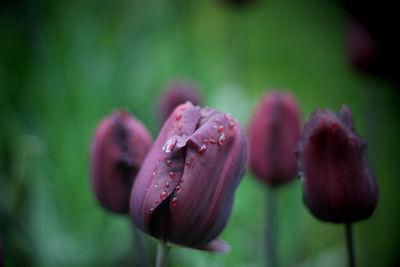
274,131
363,50
184,191
119,147
176,94
339,185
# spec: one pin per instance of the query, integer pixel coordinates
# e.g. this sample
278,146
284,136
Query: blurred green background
66,64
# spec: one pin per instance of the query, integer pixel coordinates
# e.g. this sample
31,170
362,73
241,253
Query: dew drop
182,180
166,184
178,116
191,158
221,139
352,141
151,211
165,158
334,127
212,140
221,128
155,185
169,162
202,149
178,188
154,173
188,163
231,125
171,175
174,201
156,201
205,141
163,195
180,127
169,145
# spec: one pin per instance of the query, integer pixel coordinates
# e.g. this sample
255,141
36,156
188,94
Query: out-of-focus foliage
66,64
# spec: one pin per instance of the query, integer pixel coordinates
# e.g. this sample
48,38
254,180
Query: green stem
350,244
271,227
162,254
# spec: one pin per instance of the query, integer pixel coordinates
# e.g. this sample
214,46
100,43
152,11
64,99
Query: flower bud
184,191
176,94
274,131
339,185
119,147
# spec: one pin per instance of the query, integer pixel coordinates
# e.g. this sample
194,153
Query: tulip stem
271,227
350,244
162,254
140,249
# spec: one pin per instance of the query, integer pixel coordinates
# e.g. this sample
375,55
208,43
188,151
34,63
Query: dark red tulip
176,94
362,47
339,185
119,147
274,131
184,191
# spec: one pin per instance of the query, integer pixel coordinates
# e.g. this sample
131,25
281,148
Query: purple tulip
339,185
119,147
176,94
274,131
184,191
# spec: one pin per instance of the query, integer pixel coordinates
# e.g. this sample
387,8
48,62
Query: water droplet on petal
174,201
205,141
163,195
169,145
182,180
231,125
188,163
352,141
180,127
178,116
156,201
171,175
221,139
154,173
169,162
212,140
178,188
155,185
166,184
151,211
202,149
191,158
228,116
221,128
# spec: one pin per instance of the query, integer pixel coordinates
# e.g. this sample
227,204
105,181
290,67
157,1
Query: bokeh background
66,64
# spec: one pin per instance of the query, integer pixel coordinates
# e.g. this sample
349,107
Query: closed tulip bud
274,131
339,185
119,147
183,193
176,94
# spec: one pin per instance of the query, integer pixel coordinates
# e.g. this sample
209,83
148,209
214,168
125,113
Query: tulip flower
119,147
274,131
183,194
176,94
339,185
